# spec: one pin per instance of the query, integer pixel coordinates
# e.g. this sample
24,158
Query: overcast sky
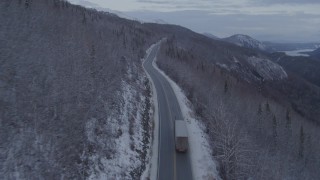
268,20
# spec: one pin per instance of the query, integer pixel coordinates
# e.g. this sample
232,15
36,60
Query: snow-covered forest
75,102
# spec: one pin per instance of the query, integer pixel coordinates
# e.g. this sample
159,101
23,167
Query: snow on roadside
152,166
203,165
126,135
122,160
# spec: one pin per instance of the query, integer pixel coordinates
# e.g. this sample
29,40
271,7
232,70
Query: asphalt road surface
171,164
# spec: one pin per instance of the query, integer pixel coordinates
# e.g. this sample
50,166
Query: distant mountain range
249,42
291,46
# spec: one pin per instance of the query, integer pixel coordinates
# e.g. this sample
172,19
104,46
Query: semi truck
181,136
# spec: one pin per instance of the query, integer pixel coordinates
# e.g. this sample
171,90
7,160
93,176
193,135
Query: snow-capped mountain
246,41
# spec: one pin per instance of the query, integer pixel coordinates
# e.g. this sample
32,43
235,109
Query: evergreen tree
93,53
84,18
124,41
27,3
275,133
92,62
226,87
56,3
288,122
301,143
260,117
268,110
259,110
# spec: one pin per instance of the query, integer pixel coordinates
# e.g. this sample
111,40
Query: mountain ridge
246,41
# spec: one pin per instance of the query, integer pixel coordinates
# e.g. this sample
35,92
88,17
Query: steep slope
246,41
74,100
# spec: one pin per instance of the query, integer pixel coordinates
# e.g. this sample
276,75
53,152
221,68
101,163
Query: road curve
171,165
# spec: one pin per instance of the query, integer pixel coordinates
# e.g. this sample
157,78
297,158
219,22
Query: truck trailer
181,136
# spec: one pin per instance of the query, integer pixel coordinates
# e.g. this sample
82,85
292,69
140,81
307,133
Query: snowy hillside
246,41
74,100
267,69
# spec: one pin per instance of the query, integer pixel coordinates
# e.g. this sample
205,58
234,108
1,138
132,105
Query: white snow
247,41
125,159
235,60
224,66
267,69
203,165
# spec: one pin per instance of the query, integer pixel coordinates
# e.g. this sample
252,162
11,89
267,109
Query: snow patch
124,159
224,66
246,41
267,69
235,60
126,128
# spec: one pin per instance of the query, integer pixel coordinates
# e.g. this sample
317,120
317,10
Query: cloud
285,1
155,2
281,20
278,28
166,5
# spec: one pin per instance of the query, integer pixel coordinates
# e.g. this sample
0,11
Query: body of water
298,52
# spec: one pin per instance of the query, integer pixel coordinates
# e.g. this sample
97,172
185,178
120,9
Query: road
171,165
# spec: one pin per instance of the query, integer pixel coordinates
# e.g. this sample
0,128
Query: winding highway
171,164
